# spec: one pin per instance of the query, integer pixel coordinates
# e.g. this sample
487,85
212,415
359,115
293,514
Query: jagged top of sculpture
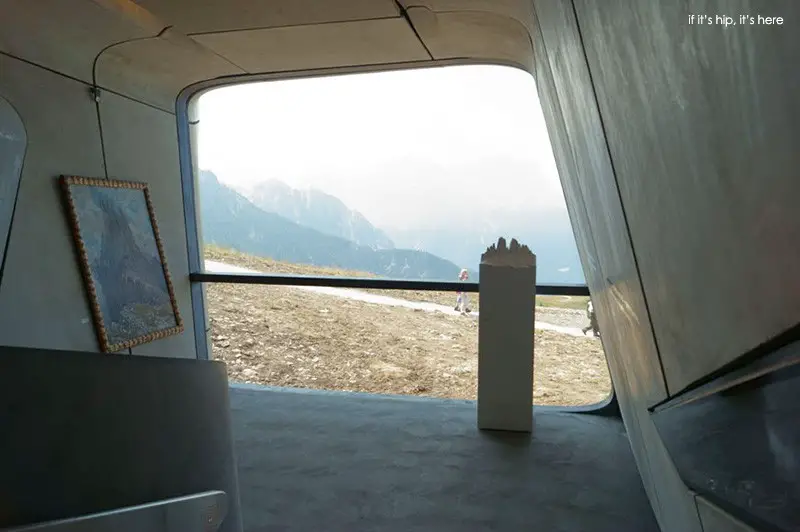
515,255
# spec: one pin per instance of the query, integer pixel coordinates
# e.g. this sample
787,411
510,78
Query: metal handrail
370,283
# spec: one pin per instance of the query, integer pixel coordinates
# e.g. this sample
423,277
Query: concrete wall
715,519
674,146
43,301
702,128
110,432
587,175
13,142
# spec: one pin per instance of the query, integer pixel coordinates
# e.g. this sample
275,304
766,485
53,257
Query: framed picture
122,261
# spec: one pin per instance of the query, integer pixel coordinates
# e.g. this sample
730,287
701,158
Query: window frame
187,119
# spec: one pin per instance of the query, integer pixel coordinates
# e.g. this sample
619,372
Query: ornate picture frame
122,261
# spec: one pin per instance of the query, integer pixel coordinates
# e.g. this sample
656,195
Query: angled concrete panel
520,10
43,301
717,520
338,44
474,35
13,142
229,15
55,34
154,71
702,122
587,174
91,432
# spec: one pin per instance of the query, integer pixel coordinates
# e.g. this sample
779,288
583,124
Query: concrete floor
311,460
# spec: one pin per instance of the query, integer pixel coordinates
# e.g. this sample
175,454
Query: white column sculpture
505,337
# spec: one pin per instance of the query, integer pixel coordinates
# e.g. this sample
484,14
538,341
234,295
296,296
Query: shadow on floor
331,461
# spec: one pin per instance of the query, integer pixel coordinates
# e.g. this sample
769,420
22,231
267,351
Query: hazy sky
407,149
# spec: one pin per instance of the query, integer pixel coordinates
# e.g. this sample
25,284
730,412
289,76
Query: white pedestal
505,338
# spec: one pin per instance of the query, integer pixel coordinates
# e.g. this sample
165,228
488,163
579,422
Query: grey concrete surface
13,142
587,176
702,127
63,134
43,298
90,432
312,460
717,520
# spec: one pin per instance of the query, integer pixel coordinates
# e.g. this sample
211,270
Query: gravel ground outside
284,336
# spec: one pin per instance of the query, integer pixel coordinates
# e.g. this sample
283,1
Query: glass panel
406,174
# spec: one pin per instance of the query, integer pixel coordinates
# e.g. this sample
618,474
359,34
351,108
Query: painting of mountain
317,210
229,219
122,265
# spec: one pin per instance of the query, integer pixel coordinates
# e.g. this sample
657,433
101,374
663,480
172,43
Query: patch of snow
366,297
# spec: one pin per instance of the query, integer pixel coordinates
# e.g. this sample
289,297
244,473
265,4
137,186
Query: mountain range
232,220
317,210
309,226
552,240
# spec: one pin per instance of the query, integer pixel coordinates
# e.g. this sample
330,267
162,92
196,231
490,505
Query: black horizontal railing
370,283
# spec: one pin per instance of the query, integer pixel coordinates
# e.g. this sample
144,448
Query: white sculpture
505,337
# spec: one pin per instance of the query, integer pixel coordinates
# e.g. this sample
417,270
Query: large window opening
401,175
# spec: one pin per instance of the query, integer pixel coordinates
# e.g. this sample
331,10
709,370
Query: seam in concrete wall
35,316
697,509
621,203
645,463
48,69
81,81
97,94
102,152
573,217
404,15
16,193
192,222
98,100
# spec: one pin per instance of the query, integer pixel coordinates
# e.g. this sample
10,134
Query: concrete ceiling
338,44
152,49
213,16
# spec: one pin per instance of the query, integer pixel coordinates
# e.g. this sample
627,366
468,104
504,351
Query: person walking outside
462,301
592,321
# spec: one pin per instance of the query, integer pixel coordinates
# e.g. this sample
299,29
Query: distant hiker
462,302
592,320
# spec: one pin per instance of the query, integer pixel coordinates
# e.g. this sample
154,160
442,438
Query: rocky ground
285,336
566,317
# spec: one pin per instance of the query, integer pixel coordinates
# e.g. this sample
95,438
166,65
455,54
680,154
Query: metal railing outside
608,407
370,283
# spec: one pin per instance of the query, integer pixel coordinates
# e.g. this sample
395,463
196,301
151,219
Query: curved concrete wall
13,143
63,138
587,175
43,301
701,124
674,144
